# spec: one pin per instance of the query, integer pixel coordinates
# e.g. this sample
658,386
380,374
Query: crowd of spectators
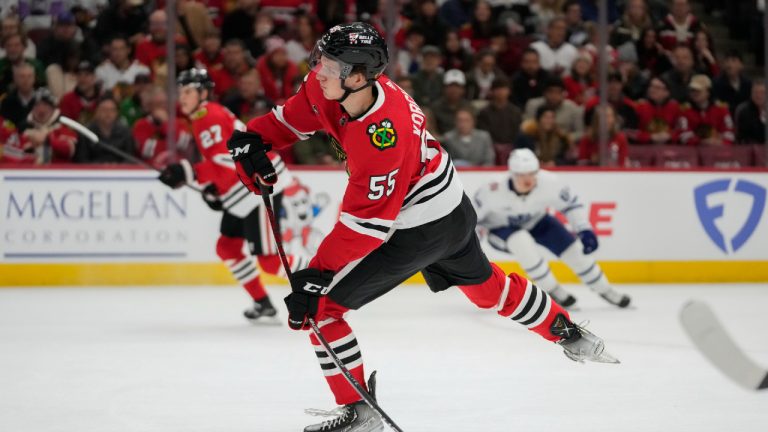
490,75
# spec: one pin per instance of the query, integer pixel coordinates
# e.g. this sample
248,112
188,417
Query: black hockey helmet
195,77
357,45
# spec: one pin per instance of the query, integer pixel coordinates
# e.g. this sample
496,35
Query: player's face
524,183
328,75
189,99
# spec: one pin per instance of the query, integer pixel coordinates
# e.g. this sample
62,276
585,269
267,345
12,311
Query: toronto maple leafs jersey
399,176
498,205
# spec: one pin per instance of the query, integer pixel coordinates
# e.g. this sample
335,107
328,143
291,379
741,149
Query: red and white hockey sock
343,342
242,267
516,297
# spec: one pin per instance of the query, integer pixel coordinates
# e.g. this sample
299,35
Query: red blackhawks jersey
212,125
712,121
17,148
656,118
399,177
151,137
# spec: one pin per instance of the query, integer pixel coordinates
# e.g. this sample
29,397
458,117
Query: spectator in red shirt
237,61
151,132
80,103
679,27
209,55
278,74
151,51
249,100
43,139
589,147
705,121
580,84
657,115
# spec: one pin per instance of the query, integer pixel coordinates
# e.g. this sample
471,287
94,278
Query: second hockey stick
369,400
92,137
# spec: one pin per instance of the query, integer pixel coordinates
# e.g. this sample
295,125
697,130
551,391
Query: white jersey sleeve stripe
278,111
370,227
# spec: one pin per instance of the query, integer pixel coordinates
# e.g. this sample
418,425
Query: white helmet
523,161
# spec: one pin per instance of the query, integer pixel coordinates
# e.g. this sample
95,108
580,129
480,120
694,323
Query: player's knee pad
228,248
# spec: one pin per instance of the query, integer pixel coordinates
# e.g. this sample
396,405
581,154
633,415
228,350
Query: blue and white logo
710,213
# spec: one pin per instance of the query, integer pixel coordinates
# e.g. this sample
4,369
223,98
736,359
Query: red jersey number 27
377,183
210,136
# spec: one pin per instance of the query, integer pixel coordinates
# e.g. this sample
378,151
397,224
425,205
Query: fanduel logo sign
710,213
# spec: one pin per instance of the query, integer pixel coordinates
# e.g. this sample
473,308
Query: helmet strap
348,91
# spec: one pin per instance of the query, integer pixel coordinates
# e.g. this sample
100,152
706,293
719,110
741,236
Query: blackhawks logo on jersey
383,136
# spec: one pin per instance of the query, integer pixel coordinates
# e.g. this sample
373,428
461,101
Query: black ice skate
616,298
562,297
356,417
578,343
262,311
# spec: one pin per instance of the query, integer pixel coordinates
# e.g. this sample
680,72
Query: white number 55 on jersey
377,184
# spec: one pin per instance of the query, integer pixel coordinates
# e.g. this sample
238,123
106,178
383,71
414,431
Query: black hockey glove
251,161
211,197
589,240
307,286
176,174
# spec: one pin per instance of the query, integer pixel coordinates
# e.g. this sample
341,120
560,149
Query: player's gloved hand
176,174
589,240
307,286
251,161
211,197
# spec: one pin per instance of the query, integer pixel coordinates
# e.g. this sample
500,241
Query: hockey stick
710,337
92,137
369,400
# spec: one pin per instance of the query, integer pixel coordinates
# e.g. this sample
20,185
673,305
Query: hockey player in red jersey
243,217
404,211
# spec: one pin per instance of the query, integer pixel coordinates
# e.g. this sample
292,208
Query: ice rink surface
184,360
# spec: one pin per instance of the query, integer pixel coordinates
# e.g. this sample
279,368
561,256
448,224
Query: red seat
759,152
502,153
641,155
676,157
726,157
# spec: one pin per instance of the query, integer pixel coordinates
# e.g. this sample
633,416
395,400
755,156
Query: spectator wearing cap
427,82
568,115
119,67
10,25
249,100
657,116
556,54
623,107
14,56
277,73
500,118
482,75
589,147
132,106
455,55
467,145
751,117
80,103
679,27
681,74
528,83
60,44
237,61
43,139
580,84
18,102
409,57
126,18
452,100
111,131
543,136
732,86
704,121
209,55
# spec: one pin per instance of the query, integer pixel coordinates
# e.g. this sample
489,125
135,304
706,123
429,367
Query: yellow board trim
84,274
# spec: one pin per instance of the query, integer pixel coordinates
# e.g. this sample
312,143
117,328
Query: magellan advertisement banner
79,221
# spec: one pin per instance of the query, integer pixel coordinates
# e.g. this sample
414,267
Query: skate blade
273,321
605,357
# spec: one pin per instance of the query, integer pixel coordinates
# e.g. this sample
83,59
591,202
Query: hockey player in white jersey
515,214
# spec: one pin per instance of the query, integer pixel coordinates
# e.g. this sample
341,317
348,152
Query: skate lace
340,415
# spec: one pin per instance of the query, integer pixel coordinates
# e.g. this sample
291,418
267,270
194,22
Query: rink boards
123,227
